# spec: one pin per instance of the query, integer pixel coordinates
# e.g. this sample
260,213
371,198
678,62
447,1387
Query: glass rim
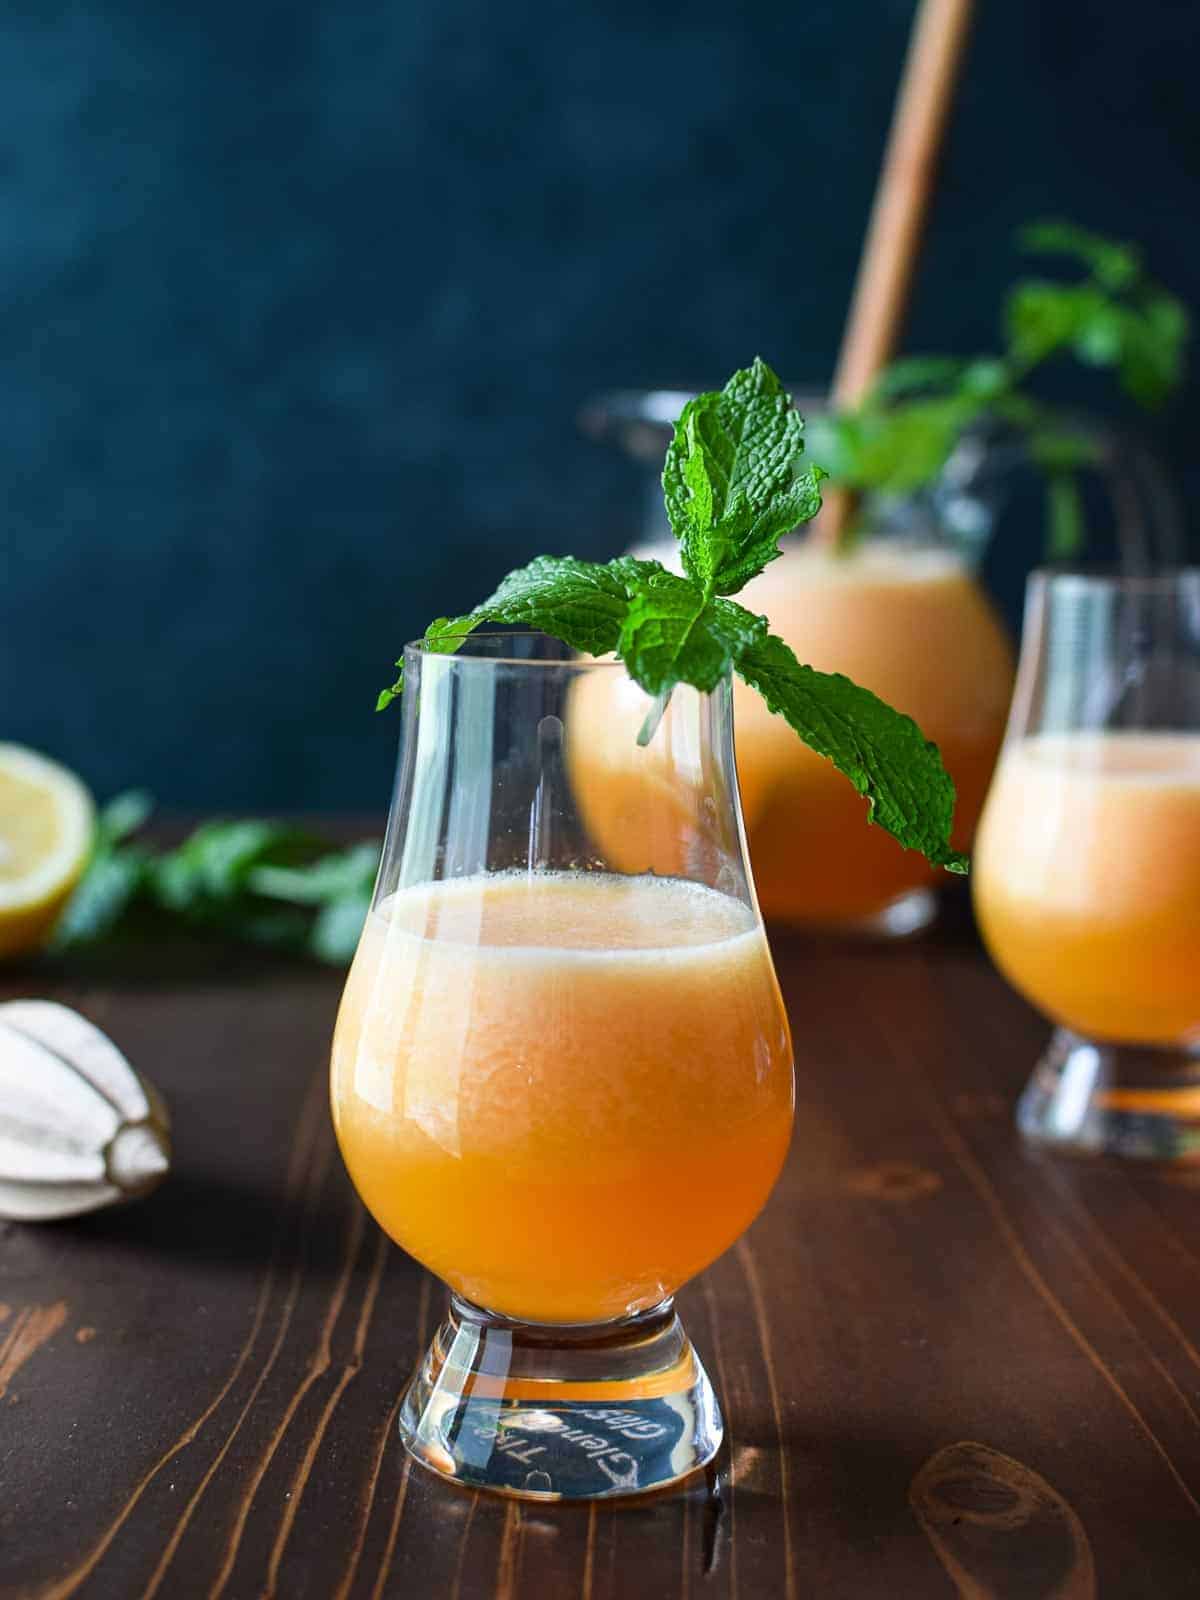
1098,577
421,651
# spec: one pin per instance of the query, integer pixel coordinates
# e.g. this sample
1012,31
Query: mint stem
653,717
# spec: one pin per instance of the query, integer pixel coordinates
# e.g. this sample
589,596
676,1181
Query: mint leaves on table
264,883
734,483
1113,317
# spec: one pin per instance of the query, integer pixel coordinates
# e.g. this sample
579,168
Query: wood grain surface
949,1367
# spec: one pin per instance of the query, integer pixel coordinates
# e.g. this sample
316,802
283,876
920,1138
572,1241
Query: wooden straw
898,216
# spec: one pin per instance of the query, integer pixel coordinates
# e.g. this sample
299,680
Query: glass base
1106,1099
561,1413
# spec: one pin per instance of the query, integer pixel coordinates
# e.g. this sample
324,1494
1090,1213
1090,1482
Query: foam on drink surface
579,912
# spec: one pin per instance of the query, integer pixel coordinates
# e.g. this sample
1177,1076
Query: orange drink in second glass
1087,881
582,1169
1087,864
911,624
914,626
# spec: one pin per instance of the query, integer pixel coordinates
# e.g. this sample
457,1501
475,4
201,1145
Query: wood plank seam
313,1372
350,1370
714,1322
754,1284
307,1131
385,1564
980,1182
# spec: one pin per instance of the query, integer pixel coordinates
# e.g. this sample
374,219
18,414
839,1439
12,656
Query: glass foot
1104,1099
561,1413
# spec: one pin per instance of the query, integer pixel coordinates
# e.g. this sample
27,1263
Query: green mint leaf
108,891
1152,338
741,627
671,635
330,878
1113,264
116,876
1042,318
265,883
1167,317
1064,517
883,753
1143,339
123,815
1117,318
732,479
215,862
915,374
988,379
897,448
443,636
335,933
1055,443
587,605
581,602
661,631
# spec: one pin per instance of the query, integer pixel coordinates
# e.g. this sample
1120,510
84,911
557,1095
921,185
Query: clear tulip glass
562,1083
1087,865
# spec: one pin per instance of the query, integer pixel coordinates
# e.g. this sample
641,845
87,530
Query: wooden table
948,1365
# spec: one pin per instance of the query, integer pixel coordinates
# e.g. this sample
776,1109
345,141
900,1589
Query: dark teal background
297,304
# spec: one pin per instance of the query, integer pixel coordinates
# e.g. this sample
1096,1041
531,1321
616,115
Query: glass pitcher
905,614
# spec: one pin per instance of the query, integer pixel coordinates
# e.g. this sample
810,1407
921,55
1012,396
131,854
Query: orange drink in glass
583,1168
562,1084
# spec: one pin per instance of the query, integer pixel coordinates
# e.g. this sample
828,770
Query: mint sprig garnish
734,483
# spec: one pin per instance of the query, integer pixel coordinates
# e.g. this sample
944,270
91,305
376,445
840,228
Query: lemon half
47,822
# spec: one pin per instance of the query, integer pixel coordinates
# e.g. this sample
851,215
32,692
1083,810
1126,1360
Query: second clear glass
1087,865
